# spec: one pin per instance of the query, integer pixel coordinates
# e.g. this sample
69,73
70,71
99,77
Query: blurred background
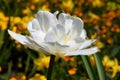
101,21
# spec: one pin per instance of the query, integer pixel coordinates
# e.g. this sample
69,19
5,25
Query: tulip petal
83,34
56,13
60,31
33,25
20,38
89,51
25,40
62,17
33,45
77,26
51,36
35,31
46,19
86,44
68,25
55,48
55,34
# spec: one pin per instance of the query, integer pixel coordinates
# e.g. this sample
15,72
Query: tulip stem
88,67
100,68
52,58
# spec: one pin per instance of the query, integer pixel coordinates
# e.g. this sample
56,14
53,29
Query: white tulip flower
61,35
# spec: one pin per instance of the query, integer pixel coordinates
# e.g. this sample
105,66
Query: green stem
52,58
88,67
9,70
32,71
27,64
100,68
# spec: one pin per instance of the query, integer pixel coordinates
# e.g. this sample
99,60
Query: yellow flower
92,60
17,20
42,62
67,5
45,8
97,3
99,44
38,77
26,11
111,65
3,21
112,5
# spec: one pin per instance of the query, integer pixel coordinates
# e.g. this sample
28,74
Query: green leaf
114,51
100,68
88,67
1,38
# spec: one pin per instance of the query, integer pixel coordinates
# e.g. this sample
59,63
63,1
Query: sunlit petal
35,31
56,48
86,44
45,19
83,34
50,36
20,38
82,52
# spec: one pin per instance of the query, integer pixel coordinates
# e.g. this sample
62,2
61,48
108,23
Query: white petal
55,13
35,31
55,48
51,36
33,25
77,26
46,19
60,32
83,34
86,44
62,17
27,41
55,34
83,52
68,25
33,45
20,38
73,45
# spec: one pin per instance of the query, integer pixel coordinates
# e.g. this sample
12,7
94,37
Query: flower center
66,39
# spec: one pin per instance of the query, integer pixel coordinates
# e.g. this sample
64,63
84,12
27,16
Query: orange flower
66,58
108,23
23,77
13,78
0,69
110,40
32,7
72,71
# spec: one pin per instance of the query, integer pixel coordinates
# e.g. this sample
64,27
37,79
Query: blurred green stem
9,70
52,58
88,67
100,68
32,71
27,63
